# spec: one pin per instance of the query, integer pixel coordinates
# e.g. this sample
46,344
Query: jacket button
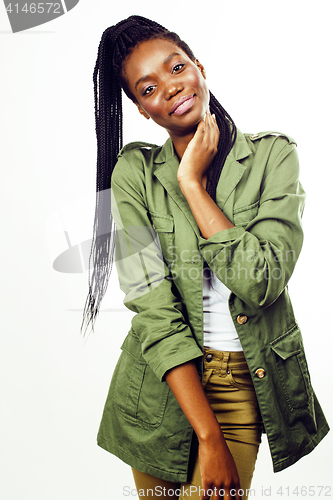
241,319
209,357
254,136
260,373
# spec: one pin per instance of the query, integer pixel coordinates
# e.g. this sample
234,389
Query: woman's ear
201,68
142,111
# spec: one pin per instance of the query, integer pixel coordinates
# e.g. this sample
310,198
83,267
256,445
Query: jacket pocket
138,392
292,369
164,227
244,215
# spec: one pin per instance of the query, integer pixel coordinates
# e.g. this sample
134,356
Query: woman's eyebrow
166,60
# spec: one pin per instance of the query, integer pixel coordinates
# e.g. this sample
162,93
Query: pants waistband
229,355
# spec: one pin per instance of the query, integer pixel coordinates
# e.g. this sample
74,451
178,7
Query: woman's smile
184,104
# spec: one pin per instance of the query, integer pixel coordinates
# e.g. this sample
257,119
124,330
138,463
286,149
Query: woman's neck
180,143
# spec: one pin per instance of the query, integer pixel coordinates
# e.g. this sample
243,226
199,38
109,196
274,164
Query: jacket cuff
210,247
179,359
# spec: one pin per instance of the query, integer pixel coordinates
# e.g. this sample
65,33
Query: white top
219,330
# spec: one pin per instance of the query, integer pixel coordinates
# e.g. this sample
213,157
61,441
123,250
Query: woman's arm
263,253
192,170
159,323
217,466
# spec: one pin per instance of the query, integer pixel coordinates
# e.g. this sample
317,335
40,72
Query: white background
269,63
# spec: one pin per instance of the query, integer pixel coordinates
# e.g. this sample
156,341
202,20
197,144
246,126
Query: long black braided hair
116,44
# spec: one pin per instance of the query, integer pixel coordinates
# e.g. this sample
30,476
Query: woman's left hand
200,151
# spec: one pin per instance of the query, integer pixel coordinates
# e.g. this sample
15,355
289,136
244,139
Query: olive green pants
229,389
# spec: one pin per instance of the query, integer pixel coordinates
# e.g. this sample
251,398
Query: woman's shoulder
135,162
264,146
268,135
139,151
261,144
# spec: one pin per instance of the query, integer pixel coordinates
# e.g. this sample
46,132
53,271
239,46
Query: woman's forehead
150,52
150,55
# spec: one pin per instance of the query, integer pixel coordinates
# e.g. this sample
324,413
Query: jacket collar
239,151
167,163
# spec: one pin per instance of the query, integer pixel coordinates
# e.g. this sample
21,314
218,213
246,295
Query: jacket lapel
167,175
231,174
167,165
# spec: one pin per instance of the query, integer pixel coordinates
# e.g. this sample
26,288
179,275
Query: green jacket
160,256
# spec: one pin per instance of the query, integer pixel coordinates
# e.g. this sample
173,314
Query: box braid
117,43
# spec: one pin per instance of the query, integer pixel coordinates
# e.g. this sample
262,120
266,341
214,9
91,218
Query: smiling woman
203,368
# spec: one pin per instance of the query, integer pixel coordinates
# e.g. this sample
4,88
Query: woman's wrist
210,433
190,185
208,215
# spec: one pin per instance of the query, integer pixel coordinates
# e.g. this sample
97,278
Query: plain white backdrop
269,63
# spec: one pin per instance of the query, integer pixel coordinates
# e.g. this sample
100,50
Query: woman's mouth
182,105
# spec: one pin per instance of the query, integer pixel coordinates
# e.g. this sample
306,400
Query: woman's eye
148,90
178,67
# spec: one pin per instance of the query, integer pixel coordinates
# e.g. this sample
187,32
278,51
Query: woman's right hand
200,153
218,469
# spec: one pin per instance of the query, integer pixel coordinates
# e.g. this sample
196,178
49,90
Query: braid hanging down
116,45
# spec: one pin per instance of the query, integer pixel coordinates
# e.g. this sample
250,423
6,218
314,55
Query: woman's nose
172,89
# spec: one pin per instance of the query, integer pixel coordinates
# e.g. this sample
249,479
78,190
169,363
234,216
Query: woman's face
168,86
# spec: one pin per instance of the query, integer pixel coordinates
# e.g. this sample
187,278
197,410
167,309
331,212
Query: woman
208,234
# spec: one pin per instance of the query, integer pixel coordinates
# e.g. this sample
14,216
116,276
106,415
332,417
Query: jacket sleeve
166,339
255,262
